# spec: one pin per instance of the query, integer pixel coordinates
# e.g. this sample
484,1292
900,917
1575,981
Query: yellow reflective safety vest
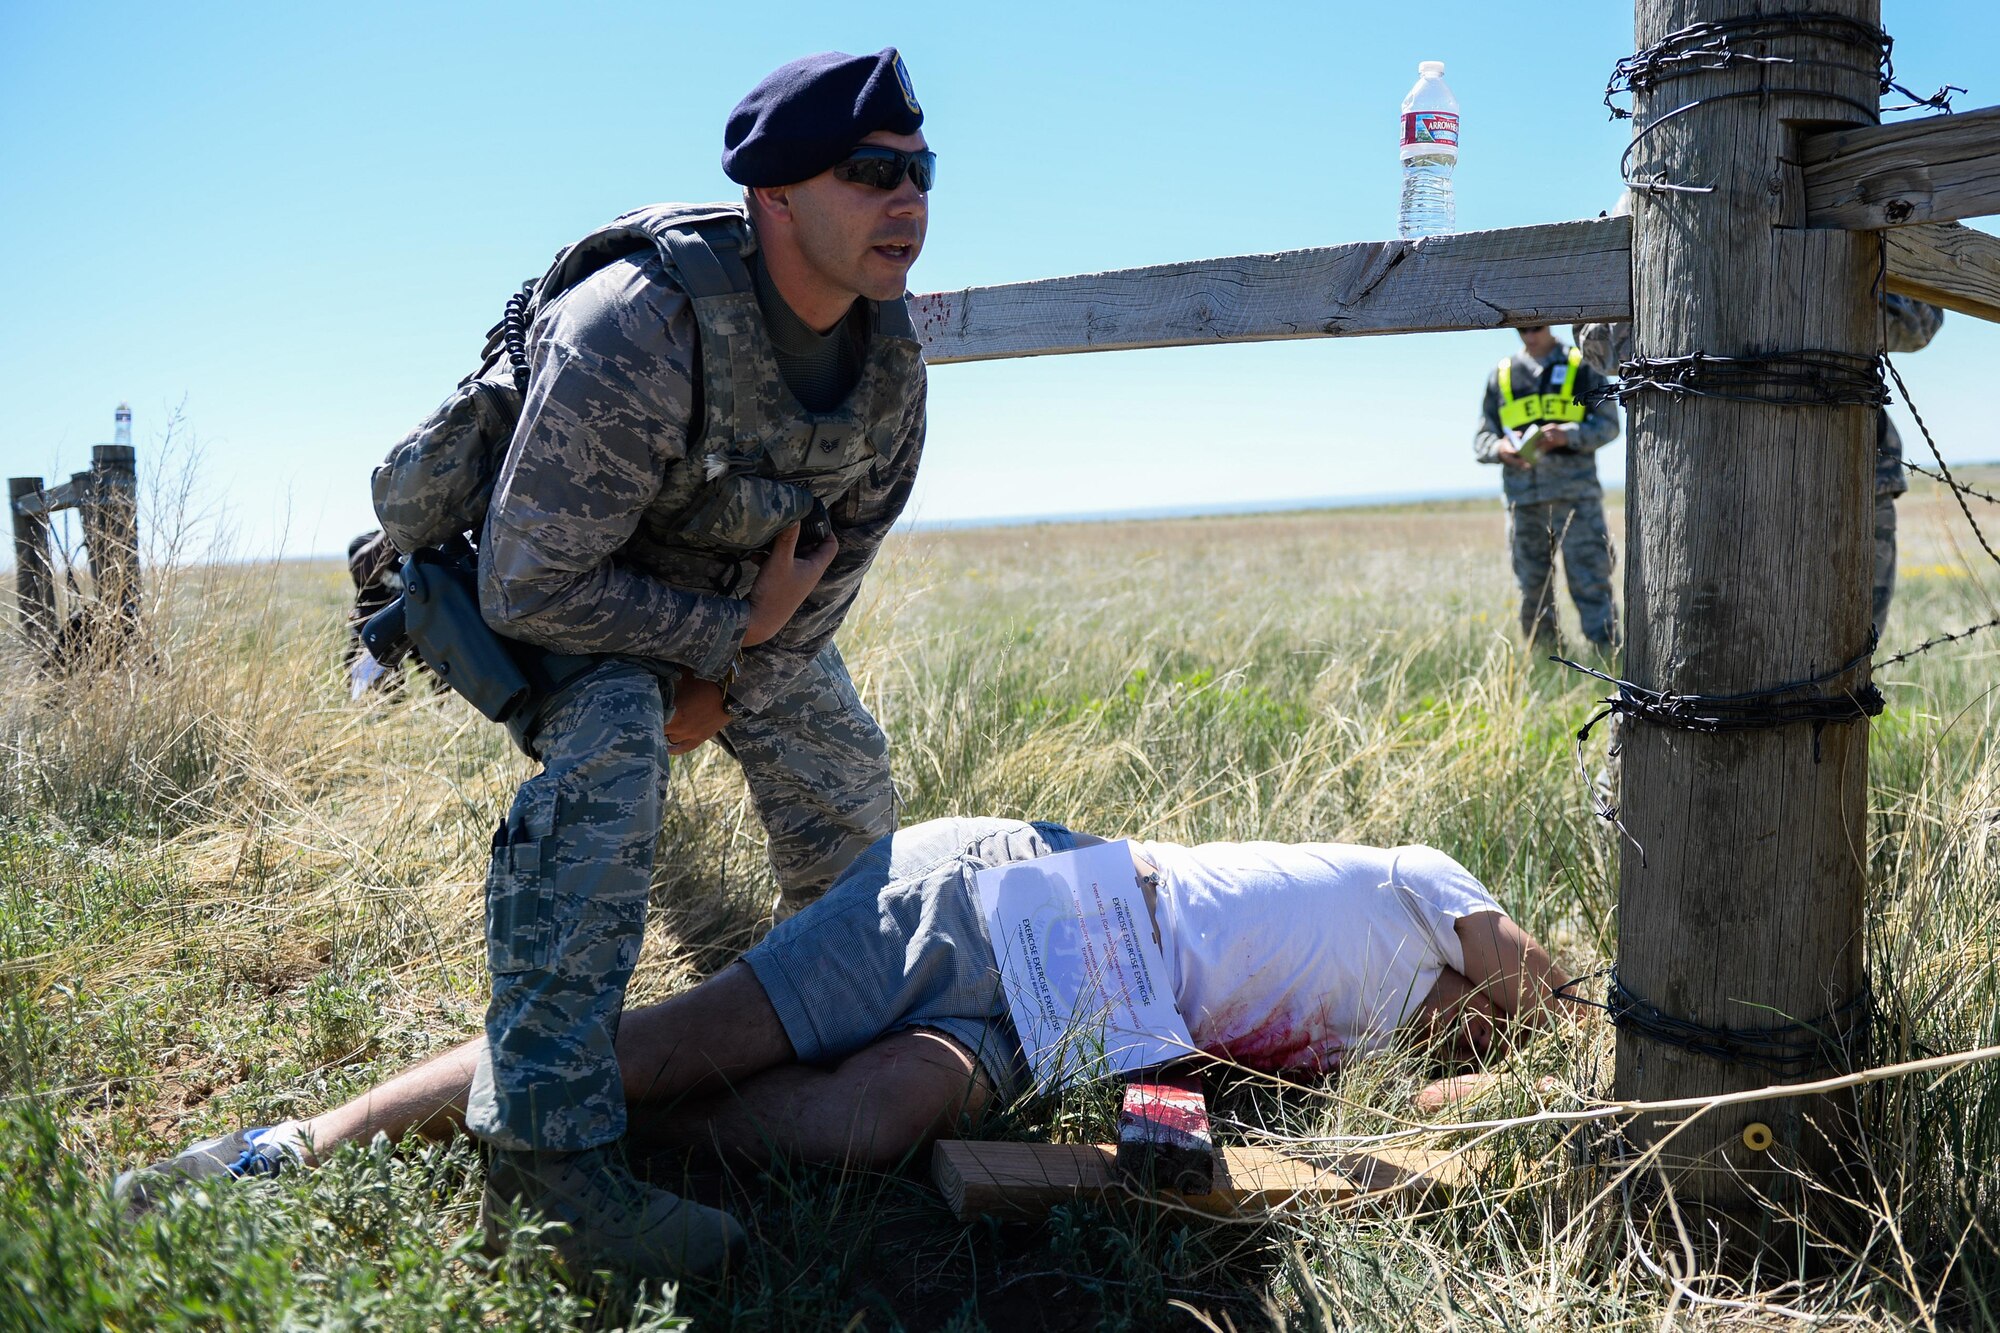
1559,404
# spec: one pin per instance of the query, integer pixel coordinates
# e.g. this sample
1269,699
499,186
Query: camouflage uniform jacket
1568,474
1908,326
622,525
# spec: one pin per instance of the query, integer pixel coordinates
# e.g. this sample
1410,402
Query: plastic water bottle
1430,151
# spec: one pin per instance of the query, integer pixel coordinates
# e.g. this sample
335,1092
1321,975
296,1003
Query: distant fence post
34,572
106,498
111,531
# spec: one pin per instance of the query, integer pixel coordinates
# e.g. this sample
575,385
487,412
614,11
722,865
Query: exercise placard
1085,980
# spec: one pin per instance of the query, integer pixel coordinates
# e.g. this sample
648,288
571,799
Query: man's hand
784,582
1509,456
1558,437
700,710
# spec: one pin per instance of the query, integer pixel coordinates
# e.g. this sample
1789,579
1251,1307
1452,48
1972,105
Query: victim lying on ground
874,1021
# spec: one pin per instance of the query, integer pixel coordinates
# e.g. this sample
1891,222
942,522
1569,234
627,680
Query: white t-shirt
1296,955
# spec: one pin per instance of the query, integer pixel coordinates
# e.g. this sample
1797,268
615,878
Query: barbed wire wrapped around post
1714,714
1710,46
1810,378
1838,1039
1748,710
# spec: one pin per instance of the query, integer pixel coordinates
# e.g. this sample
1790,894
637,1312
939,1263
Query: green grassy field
227,895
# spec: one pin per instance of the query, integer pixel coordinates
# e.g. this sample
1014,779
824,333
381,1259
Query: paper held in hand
1085,980
1528,442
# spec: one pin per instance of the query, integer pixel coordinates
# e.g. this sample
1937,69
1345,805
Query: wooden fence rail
1557,273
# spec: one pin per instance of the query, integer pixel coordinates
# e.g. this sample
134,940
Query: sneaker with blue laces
244,1153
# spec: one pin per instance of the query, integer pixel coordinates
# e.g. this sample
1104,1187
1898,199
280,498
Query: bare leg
427,1099
719,1033
874,1109
722,1030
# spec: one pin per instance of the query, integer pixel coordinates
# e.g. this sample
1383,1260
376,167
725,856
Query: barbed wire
1717,713
1944,468
1710,46
1810,378
1968,632
1747,710
1707,46
1959,490
1839,1039
1946,478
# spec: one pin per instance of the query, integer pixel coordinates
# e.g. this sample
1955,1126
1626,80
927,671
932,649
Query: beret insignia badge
909,91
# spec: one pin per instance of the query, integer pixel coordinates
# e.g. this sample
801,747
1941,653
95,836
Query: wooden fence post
34,573
111,533
1749,567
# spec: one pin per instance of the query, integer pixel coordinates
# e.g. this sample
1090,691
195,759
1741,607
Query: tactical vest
760,458
1559,404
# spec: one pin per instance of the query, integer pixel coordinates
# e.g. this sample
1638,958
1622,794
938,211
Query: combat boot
606,1216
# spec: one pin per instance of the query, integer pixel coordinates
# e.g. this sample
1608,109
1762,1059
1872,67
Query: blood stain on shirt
1273,1042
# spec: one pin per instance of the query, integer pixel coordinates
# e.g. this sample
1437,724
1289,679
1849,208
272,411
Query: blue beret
805,116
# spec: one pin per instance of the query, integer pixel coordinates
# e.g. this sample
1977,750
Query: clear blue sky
298,220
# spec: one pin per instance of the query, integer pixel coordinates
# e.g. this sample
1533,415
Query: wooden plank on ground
1558,273
1945,264
1933,170
1028,1179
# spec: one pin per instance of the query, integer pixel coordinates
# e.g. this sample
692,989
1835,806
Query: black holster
438,617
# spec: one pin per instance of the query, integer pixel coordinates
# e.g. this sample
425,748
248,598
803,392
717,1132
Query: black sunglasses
883,168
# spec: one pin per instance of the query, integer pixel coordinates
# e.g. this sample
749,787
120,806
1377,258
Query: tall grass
228,895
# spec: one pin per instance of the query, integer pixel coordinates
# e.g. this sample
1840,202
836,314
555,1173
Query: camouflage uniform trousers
572,866
1576,528
1885,557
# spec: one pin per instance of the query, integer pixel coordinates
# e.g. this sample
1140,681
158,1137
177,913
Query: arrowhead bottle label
1430,129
